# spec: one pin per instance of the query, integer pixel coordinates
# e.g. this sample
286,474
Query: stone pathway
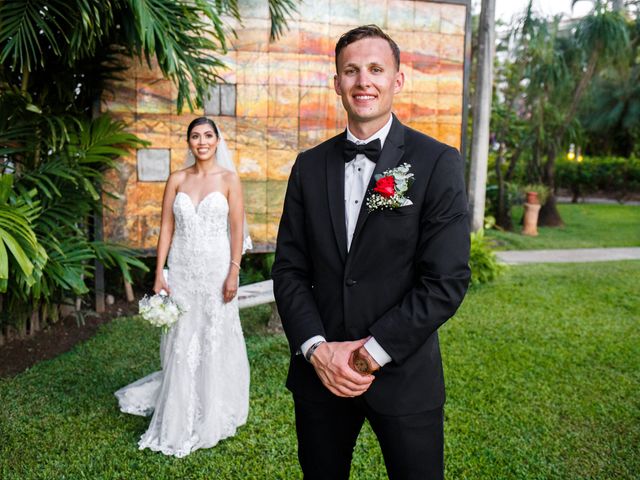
255,294
517,257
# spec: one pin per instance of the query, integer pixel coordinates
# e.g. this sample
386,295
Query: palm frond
28,28
279,12
114,255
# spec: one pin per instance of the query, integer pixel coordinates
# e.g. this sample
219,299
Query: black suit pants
412,445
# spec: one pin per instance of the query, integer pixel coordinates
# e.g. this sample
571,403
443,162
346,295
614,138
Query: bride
201,395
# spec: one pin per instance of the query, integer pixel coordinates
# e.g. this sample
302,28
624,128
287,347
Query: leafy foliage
543,77
51,45
57,57
616,176
49,204
482,260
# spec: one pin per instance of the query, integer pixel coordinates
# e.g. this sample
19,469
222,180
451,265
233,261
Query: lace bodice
196,224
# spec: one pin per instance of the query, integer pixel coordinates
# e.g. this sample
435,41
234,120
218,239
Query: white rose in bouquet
160,311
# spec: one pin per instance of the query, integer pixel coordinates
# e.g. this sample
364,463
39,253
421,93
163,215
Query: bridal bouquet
160,311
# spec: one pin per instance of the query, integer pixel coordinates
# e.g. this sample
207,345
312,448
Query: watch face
361,365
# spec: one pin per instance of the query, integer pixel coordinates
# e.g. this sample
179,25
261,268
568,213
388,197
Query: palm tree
552,64
56,56
611,114
598,41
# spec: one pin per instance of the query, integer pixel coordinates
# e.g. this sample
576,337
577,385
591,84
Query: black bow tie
370,150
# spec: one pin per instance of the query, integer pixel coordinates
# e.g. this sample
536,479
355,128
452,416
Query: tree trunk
549,214
22,328
482,115
2,327
513,161
34,322
98,234
503,217
2,336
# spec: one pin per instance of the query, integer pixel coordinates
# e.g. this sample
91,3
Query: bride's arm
166,231
236,227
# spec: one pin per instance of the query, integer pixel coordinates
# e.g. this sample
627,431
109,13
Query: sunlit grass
542,369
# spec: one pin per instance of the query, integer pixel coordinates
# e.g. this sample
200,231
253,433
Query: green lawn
542,368
586,226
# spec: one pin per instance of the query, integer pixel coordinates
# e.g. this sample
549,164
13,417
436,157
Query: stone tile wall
279,100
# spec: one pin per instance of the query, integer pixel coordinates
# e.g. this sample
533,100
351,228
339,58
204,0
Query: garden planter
531,212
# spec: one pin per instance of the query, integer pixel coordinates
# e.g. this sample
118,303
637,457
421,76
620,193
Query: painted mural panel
279,100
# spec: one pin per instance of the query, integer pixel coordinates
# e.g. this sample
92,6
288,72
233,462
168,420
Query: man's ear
336,85
398,83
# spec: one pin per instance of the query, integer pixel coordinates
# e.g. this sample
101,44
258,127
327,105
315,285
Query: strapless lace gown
201,395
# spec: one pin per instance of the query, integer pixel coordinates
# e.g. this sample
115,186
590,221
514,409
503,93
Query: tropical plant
483,262
611,112
50,205
555,62
56,59
51,45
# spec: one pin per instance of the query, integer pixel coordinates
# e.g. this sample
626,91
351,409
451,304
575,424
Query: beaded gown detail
201,395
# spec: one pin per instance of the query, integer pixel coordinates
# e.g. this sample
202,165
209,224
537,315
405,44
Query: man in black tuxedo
362,291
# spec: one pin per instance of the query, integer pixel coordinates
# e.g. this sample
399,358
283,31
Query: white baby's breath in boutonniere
390,189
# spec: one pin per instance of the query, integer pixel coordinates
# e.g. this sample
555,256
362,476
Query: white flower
155,301
160,311
402,180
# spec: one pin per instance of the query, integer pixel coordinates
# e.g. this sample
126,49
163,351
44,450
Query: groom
366,272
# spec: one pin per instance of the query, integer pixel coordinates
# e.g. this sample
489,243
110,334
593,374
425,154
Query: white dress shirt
357,174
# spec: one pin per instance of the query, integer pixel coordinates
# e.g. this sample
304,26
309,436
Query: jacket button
350,282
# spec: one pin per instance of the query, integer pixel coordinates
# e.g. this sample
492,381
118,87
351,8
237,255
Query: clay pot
531,212
532,198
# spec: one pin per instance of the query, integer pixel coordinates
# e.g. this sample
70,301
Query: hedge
617,176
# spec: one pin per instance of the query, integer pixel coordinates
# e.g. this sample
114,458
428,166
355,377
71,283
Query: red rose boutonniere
390,189
385,186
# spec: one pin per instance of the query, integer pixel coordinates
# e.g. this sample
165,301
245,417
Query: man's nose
363,78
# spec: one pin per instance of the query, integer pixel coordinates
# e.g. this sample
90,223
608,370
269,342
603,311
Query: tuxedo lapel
335,192
391,155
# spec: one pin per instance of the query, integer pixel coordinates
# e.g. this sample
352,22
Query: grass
542,368
586,226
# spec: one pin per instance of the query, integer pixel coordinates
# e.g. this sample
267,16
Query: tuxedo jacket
404,275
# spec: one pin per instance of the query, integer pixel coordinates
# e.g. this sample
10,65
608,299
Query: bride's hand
161,284
230,287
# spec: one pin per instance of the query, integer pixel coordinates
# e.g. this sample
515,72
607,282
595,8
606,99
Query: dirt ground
18,355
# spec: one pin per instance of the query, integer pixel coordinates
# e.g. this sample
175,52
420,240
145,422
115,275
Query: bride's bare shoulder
180,175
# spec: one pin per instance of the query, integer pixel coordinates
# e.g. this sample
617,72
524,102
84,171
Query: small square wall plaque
212,102
228,100
154,164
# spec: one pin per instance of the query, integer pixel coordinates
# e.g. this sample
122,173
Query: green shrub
256,267
618,176
482,260
540,189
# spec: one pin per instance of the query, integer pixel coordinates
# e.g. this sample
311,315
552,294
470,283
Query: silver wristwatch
312,349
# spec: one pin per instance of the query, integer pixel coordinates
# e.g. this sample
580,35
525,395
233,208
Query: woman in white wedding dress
201,395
